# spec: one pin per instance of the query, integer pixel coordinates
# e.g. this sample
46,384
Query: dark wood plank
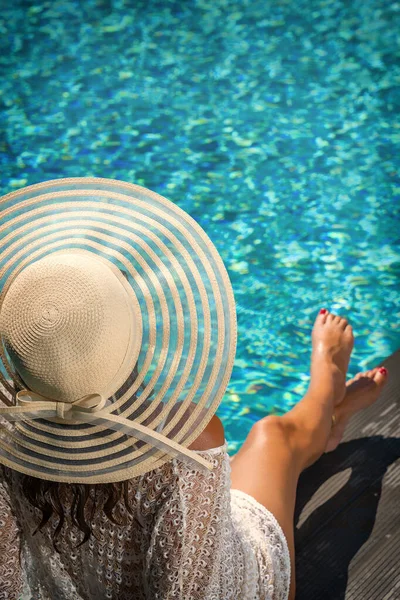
347,517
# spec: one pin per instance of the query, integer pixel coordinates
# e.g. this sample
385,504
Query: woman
115,481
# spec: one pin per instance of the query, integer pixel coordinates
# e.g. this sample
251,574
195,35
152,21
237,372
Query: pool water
273,123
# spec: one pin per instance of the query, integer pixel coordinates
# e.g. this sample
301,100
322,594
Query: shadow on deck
347,516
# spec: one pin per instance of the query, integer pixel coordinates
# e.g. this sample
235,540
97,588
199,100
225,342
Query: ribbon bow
89,409
88,404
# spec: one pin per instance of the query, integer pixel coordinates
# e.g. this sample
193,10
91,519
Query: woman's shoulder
213,436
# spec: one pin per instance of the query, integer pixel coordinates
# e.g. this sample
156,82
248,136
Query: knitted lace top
193,539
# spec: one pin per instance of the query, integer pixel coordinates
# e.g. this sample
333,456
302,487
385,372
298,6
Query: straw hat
118,331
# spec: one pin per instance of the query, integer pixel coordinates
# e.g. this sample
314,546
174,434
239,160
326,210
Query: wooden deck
347,517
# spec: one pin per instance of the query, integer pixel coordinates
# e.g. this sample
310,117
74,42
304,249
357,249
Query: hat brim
188,315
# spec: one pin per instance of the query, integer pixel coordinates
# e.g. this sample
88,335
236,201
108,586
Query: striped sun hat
118,331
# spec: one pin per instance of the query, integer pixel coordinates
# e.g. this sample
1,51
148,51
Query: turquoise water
272,123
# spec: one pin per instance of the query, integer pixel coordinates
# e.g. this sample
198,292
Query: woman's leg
270,462
277,449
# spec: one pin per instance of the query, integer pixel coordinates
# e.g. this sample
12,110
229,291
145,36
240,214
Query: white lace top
194,539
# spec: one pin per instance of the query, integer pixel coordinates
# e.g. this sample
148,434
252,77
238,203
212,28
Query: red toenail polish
323,311
383,371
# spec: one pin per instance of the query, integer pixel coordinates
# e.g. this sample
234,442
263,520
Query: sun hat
118,331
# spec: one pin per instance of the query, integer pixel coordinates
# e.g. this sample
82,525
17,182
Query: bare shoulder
213,436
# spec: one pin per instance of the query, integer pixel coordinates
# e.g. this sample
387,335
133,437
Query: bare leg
278,465
277,449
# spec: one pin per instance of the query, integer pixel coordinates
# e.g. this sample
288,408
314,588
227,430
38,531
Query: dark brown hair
49,498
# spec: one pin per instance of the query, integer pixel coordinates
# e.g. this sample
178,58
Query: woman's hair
49,496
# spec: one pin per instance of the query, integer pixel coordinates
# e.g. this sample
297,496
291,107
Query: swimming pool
272,123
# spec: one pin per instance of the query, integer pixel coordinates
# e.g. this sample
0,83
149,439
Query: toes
372,372
348,335
322,315
341,321
338,320
330,318
375,374
381,375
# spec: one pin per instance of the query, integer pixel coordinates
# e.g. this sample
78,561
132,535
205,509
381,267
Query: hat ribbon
89,409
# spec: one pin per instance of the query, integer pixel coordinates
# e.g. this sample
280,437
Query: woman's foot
310,419
361,391
332,341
